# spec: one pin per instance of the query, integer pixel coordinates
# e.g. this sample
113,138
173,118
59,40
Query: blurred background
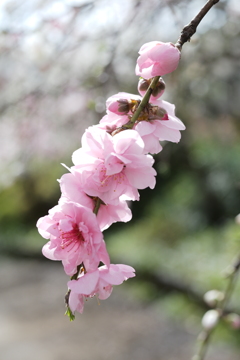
60,61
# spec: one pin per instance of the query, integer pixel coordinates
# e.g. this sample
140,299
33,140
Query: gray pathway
33,326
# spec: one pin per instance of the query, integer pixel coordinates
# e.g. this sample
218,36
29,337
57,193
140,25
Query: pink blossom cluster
112,164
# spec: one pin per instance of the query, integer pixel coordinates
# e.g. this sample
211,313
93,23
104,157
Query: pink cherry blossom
111,166
121,103
112,121
167,129
157,59
119,107
73,190
75,237
98,282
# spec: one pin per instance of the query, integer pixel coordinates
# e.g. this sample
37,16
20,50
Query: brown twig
206,334
190,29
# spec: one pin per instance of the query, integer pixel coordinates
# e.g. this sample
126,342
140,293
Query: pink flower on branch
157,59
75,237
98,282
73,190
157,123
166,129
113,166
110,167
122,103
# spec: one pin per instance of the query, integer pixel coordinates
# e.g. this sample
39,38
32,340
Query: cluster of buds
215,299
109,169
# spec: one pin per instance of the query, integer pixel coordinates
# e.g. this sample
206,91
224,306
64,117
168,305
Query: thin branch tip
190,29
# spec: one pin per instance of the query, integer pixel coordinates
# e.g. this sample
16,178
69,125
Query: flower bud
210,319
212,297
157,59
143,85
157,113
120,107
233,320
161,112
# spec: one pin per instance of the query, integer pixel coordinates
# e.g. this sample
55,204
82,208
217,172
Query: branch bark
190,29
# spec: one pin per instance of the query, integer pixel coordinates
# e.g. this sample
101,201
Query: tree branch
206,334
190,29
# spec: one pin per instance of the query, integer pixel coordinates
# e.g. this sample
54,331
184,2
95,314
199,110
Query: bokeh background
60,61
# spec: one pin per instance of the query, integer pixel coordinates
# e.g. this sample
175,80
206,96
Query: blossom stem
231,283
142,104
74,277
205,335
98,202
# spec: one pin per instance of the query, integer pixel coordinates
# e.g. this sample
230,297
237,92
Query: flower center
72,239
106,180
